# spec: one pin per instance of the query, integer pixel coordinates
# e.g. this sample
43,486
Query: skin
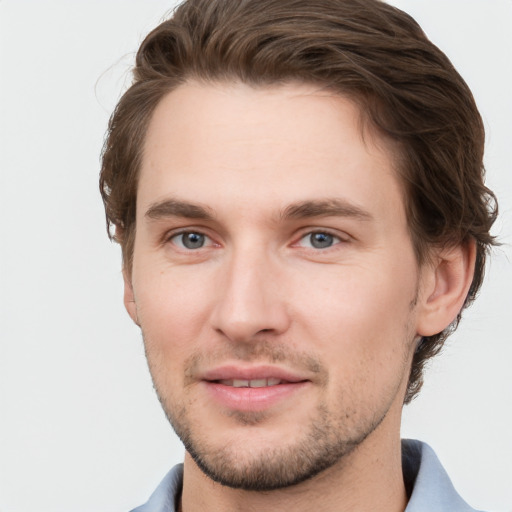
250,174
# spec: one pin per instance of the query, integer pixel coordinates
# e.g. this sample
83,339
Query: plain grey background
80,427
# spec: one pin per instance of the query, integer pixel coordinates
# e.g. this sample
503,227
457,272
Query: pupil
193,240
321,240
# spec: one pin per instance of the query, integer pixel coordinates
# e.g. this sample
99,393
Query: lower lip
253,399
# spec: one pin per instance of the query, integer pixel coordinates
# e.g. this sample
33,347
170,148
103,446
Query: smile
240,387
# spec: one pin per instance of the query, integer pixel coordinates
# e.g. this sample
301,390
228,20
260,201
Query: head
409,101
374,54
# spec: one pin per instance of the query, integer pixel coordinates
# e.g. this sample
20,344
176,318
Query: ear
129,297
446,287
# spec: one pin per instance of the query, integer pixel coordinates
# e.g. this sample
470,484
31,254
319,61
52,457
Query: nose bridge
249,298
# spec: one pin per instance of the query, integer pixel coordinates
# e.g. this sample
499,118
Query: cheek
172,310
356,296
360,329
360,318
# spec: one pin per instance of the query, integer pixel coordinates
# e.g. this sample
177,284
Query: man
297,187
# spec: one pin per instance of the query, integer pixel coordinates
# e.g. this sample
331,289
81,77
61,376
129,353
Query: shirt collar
432,489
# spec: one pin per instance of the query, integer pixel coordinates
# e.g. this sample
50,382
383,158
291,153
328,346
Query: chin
273,463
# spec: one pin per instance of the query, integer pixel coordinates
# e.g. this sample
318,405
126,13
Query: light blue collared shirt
432,490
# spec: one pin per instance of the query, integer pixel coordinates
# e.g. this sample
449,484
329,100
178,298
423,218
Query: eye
319,240
190,240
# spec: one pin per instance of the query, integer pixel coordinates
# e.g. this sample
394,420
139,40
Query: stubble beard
273,468
326,440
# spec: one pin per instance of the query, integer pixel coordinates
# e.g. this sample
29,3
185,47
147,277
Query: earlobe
449,282
129,298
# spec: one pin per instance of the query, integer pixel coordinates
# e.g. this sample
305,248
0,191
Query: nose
250,298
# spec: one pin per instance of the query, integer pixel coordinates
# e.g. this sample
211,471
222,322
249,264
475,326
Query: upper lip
229,372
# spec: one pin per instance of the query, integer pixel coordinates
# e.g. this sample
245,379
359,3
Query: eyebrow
176,208
301,210
325,208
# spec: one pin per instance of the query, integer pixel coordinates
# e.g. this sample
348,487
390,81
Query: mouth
252,388
260,376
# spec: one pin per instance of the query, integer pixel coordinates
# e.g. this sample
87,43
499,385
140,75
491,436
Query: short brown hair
365,50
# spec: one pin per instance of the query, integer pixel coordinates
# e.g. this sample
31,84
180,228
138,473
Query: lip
228,372
250,399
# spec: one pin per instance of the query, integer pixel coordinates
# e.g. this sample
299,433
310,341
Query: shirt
430,487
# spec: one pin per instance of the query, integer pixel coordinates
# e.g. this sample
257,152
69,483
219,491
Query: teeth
258,383
254,383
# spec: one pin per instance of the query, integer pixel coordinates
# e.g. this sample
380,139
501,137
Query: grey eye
189,240
321,240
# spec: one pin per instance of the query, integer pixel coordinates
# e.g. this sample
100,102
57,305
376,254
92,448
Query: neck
369,478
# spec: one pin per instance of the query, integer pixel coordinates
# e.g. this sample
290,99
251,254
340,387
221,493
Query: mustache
256,352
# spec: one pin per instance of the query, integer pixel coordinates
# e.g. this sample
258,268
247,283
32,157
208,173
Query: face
273,278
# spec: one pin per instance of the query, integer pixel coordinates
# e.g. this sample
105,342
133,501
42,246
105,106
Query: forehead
263,148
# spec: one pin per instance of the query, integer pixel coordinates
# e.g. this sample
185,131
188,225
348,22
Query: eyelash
336,239
174,235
